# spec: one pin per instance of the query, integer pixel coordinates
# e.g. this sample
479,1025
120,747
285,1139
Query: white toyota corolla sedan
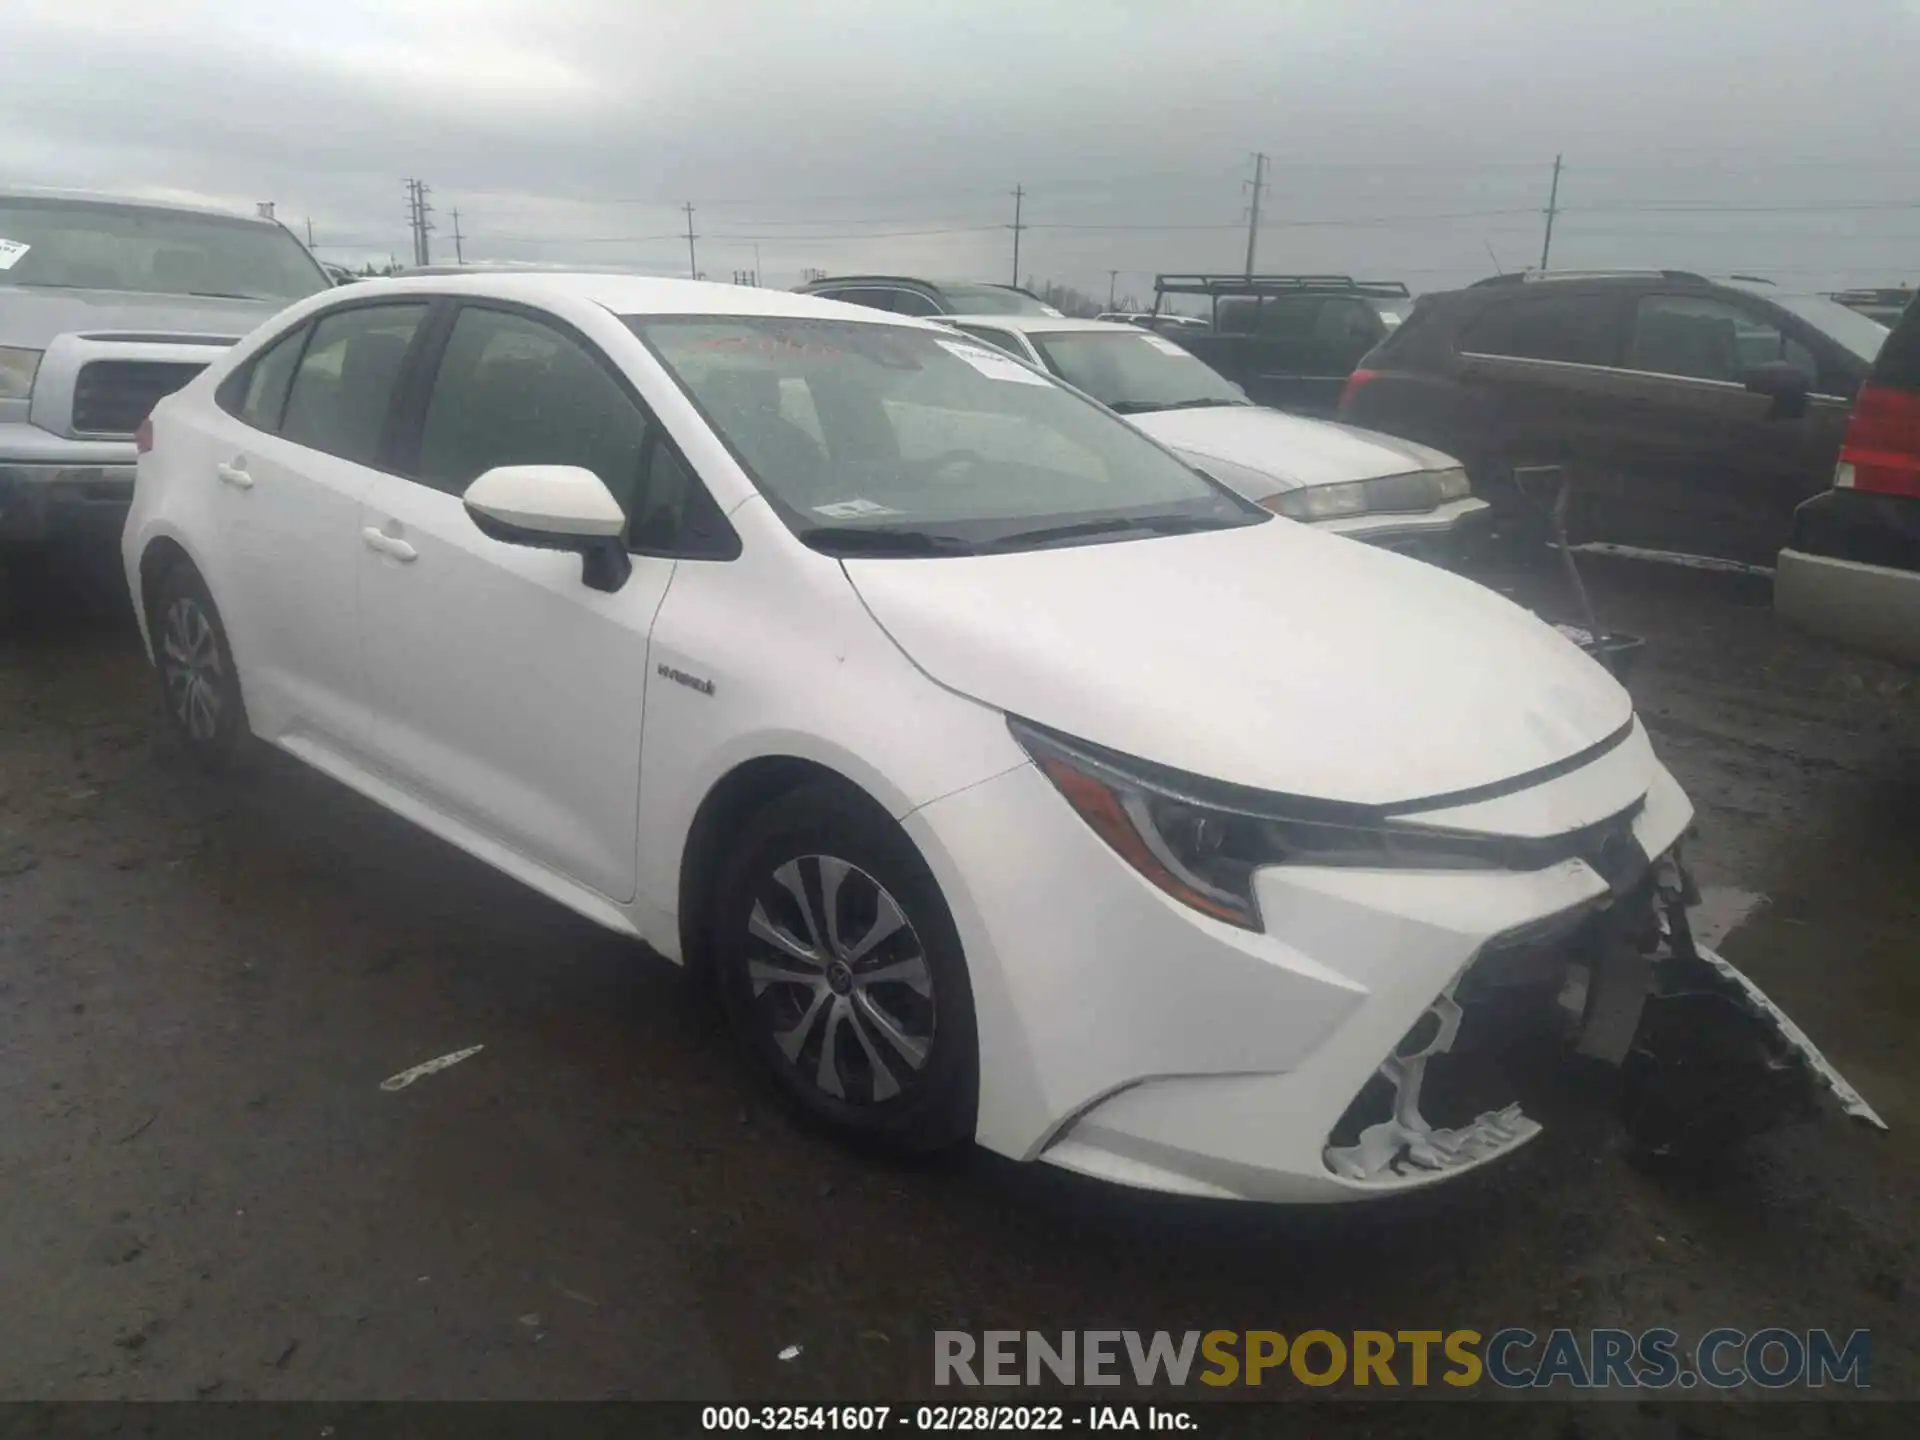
1010,779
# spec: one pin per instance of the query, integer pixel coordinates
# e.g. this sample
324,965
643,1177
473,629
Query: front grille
112,397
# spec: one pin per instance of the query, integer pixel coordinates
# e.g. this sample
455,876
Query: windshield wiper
1145,407
1114,525
883,540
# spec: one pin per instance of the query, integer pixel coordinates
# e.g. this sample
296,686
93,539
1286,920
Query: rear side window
261,397
343,389
912,302
999,339
1575,329
871,297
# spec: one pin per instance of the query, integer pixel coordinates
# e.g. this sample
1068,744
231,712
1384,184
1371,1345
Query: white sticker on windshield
853,509
1160,342
1389,318
10,251
991,363
1049,310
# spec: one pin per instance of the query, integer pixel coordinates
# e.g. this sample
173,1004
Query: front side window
1701,338
1573,329
64,245
513,391
1135,371
930,438
343,390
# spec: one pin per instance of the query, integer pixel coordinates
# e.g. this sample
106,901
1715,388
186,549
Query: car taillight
1352,388
1882,450
143,436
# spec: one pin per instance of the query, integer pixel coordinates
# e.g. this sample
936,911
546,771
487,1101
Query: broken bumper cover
1125,1037
1706,1059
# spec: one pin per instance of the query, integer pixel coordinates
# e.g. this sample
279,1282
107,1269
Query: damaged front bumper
1704,1059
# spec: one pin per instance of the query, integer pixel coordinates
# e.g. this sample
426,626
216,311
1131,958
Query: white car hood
1290,449
1273,656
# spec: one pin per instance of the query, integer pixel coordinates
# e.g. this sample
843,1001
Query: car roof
123,202
642,295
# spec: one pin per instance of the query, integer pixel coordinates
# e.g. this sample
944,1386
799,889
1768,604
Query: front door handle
378,539
233,475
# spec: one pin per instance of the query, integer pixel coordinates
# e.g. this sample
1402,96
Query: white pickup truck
105,306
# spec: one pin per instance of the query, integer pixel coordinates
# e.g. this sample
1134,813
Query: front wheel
843,975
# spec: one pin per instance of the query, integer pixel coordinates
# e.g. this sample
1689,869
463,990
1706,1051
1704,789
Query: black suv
1289,341
1691,415
906,295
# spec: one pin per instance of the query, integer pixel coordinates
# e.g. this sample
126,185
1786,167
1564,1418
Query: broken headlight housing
1386,494
1201,840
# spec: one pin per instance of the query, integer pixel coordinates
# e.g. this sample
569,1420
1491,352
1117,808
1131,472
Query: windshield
867,436
64,245
993,300
1133,371
1850,328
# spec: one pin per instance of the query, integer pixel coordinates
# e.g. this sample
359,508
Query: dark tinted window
912,302
1703,338
513,391
1576,328
344,387
263,399
1899,363
872,298
999,339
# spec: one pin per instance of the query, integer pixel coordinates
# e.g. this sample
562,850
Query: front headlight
17,369
1383,495
1200,841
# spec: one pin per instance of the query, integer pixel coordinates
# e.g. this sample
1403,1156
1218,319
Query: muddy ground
205,1192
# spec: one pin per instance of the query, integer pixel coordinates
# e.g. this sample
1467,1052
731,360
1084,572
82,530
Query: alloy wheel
840,979
191,667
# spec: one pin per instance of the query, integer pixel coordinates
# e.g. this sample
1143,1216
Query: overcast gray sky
822,132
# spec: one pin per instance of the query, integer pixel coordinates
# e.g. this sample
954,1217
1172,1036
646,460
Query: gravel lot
205,1192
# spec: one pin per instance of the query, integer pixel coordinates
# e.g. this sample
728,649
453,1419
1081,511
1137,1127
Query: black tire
199,686
911,1108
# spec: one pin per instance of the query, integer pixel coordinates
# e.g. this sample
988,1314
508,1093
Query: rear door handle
378,539
233,475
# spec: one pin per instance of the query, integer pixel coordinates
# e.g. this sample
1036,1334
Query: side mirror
555,507
1785,384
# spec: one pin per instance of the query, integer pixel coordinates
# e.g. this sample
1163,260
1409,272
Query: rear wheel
199,687
842,972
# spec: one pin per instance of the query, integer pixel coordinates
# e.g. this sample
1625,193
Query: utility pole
309,232
693,269
1019,194
1553,208
1259,184
459,254
1113,279
417,212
